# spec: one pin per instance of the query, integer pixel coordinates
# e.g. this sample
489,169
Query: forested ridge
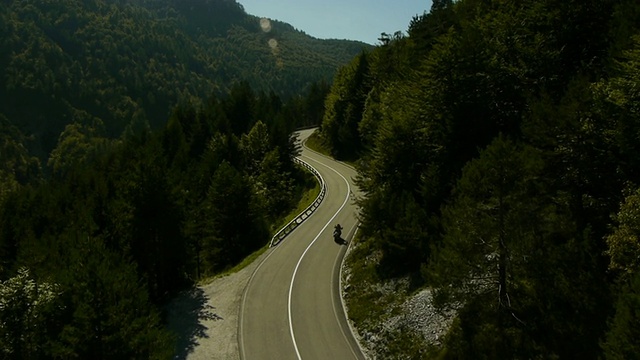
498,149
144,145
90,255
78,61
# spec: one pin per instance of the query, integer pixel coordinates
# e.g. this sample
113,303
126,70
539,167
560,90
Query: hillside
124,220
498,149
113,61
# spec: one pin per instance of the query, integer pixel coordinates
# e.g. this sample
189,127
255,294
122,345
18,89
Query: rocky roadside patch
390,322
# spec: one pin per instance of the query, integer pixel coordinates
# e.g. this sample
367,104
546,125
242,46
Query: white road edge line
295,271
344,307
244,301
241,348
333,303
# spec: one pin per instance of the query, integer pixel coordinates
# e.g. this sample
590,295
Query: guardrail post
306,213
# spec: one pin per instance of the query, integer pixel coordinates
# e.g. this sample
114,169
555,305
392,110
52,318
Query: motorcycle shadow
340,241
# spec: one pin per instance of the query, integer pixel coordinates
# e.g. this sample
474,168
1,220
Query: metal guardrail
304,215
306,127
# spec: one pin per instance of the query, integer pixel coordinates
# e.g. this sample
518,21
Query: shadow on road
340,241
188,312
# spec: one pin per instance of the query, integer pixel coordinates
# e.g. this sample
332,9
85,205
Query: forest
144,145
498,145
80,61
90,255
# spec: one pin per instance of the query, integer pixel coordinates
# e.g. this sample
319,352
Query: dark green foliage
624,247
624,242
128,216
240,108
233,227
508,245
26,308
17,166
155,244
489,339
344,107
123,224
77,144
118,60
492,224
496,141
426,28
105,310
622,338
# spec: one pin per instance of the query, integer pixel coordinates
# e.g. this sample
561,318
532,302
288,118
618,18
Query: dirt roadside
205,318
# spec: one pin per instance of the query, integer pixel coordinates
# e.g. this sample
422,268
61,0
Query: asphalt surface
291,308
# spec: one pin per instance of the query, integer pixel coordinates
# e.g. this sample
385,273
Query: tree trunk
503,300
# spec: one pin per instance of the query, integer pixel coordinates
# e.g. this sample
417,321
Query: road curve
291,307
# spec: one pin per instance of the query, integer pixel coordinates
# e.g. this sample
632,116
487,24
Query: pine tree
492,228
344,107
107,313
26,308
233,226
621,341
486,226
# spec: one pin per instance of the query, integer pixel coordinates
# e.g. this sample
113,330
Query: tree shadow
186,315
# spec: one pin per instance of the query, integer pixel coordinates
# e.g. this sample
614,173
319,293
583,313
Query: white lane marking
333,303
295,271
253,275
344,308
244,300
246,290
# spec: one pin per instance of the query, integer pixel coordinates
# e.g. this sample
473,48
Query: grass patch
404,344
372,301
246,261
307,198
317,144
368,303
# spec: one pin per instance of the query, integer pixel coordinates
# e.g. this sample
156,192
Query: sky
361,20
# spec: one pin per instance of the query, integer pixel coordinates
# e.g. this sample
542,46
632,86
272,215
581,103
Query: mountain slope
91,61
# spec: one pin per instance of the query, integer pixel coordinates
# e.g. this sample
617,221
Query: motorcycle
337,234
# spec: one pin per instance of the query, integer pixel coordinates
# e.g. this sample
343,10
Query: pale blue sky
362,20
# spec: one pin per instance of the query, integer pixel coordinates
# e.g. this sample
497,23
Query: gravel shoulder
205,318
399,323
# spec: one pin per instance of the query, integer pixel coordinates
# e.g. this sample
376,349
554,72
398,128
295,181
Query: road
291,308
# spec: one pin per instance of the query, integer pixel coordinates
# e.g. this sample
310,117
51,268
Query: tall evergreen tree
27,306
106,311
344,107
491,225
233,227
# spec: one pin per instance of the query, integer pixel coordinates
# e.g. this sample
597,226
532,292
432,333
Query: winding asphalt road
291,308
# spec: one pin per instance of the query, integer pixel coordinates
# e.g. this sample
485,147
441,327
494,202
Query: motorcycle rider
337,231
